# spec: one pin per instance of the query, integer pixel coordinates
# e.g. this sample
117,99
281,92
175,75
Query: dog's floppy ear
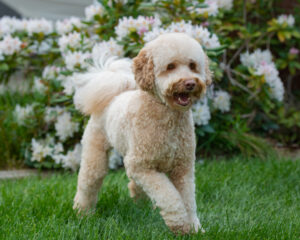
143,69
208,73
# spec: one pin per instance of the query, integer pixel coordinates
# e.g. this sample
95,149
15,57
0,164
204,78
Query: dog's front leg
184,180
165,196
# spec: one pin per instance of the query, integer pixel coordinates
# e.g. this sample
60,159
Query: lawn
237,199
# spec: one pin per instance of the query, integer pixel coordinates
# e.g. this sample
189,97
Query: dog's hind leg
93,167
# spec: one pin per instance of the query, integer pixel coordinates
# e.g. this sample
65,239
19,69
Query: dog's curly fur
145,115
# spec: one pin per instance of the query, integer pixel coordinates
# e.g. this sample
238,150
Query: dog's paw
83,205
180,226
196,225
180,229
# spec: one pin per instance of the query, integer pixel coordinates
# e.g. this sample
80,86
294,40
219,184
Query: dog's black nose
190,84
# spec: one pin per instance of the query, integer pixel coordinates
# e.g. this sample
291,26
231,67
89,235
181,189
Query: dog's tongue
182,99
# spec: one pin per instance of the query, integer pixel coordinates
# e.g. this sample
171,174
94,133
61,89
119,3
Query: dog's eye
171,66
192,66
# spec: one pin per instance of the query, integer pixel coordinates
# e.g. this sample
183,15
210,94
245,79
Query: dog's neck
153,99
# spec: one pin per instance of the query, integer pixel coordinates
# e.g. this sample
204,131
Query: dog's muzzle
185,91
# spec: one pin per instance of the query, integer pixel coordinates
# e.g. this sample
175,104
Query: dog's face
175,68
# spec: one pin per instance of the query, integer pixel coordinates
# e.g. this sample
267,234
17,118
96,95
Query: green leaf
60,99
280,36
296,34
208,128
4,67
222,47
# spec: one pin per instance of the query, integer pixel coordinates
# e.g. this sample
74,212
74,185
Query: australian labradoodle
143,110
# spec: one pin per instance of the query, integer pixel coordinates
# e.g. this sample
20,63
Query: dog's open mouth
182,99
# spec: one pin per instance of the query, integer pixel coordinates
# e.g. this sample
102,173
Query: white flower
22,25
58,148
6,26
10,25
210,10
50,72
277,89
111,48
68,85
123,2
93,10
58,158
38,85
39,26
49,140
51,113
286,19
268,70
255,59
56,154
72,40
225,4
181,27
261,62
201,113
115,160
141,25
205,38
46,147
72,159
221,101
61,77
149,36
41,47
39,150
10,45
271,75
201,34
22,113
76,59
67,25
64,126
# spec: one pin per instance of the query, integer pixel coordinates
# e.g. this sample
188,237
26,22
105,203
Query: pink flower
151,20
205,24
294,51
142,30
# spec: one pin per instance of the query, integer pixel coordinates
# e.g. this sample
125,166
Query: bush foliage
254,50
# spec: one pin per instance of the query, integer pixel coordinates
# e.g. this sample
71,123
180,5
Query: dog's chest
166,140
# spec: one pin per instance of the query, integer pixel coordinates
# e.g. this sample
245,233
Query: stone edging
11,174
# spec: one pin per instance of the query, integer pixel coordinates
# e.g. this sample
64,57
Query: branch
234,82
237,53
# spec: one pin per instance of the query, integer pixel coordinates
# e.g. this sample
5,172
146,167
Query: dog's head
175,68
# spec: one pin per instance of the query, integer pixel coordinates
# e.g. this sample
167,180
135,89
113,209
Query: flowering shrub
251,60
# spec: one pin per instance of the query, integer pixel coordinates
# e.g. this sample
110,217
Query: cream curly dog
145,115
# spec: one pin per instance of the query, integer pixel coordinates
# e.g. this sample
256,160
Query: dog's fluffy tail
96,88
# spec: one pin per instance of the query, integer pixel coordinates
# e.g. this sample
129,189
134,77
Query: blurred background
50,9
253,46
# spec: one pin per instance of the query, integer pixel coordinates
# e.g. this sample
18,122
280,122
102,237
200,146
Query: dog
143,110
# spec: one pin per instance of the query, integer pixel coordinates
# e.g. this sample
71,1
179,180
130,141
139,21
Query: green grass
237,199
